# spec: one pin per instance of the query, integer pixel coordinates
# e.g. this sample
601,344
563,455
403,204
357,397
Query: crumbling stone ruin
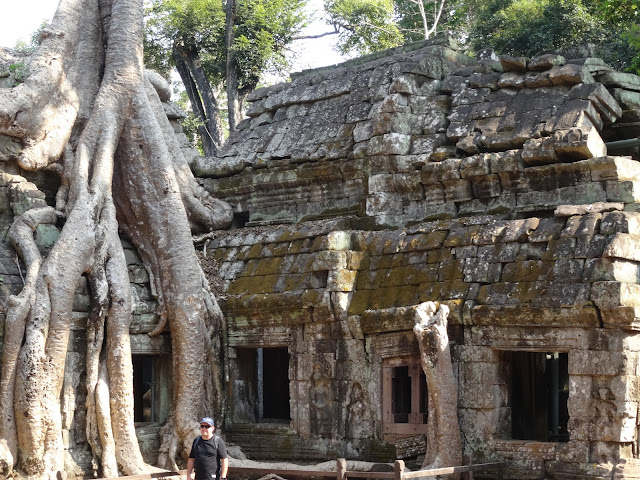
424,175
488,185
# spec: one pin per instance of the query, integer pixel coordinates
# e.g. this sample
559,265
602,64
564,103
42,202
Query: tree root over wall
444,445
87,112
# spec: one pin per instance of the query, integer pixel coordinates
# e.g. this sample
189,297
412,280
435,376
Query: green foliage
18,72
27,48
411,24
622,17
169,22
530,27
263,30
364,26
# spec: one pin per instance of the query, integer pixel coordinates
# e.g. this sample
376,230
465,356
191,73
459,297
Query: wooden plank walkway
341,473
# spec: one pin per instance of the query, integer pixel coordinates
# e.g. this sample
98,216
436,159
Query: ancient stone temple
485,184
498,186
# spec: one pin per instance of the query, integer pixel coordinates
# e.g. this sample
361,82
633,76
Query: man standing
208,454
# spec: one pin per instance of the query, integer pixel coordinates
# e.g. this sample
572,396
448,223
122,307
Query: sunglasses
205,426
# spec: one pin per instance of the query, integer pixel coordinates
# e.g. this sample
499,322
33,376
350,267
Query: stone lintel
523,315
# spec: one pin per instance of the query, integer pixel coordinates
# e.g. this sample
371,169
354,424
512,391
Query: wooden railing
341,472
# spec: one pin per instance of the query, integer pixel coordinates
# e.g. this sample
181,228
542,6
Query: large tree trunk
86,111
444,445
233,97
201,95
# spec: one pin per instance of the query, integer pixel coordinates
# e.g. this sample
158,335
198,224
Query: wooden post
398,469
466,460
341,469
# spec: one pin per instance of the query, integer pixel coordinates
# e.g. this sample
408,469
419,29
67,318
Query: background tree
87,112
217,47
605,28
419,19
531,27
363,26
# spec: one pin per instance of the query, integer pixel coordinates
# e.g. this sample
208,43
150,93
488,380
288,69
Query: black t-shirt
207,455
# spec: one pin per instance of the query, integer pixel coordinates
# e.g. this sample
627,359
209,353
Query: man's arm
190,463
224,467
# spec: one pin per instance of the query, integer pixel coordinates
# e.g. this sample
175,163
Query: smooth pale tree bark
233,98
86,112
444,445
201,95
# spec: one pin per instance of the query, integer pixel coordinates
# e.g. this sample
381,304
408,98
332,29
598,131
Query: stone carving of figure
321,403
356,412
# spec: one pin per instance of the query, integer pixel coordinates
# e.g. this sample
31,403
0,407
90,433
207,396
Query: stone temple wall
485,184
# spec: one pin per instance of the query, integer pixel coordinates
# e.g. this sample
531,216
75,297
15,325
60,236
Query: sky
19,19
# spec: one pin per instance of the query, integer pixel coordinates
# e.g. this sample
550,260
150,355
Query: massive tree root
86,112
444,445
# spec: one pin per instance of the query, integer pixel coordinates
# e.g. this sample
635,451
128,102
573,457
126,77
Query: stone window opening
261,389
404,396
539,392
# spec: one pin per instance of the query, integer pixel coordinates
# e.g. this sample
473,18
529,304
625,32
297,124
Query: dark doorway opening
143,388
276,383
261,389
539,395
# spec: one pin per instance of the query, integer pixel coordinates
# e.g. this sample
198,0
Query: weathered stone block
580,225
591,362
623,245
389,144
539,151
545,62
529,271
475,165
570,75
592,470
614,168
471,143
624,222
457,190
477,271
457,130
627,192
573,451
547,229
511,80
524,315
341,280
579,143
627,81
580,400
513,64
